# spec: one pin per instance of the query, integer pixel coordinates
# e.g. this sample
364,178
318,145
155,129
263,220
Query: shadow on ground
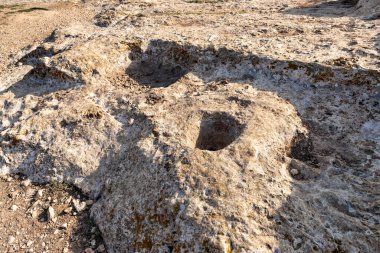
332,207
327,199
326,9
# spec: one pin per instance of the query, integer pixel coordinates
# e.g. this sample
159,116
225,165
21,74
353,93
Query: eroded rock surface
193,141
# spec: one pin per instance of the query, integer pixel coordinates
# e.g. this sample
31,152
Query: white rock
34,214
51,214
40,193
63,226
68,210
29,193
78,205
294,172
26,183
11,239
68,200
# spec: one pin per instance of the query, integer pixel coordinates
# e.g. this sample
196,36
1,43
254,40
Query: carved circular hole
217,131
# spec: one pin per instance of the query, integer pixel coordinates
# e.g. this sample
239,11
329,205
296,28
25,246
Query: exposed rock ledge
194,149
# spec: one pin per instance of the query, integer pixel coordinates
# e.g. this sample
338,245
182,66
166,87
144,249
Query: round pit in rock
217,131
155,74
160,65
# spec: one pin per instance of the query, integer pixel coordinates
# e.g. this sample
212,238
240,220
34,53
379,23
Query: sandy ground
25,225
21,25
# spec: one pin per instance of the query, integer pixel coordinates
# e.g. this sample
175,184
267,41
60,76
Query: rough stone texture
369,6
189,140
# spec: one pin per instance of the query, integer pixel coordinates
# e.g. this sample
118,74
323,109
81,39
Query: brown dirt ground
25,226
23,212
24,24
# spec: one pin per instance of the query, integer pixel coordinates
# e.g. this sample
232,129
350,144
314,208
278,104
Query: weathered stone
51,215
11,239
186,146
79,205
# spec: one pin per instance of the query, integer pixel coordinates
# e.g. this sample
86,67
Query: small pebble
14,207
51,214
29,243
40,193
11,239
29,193
63,226
78,205
34,214
68,210
26,183
89,202
88,250
294,172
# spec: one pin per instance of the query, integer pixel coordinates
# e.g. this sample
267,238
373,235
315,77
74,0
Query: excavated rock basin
217,131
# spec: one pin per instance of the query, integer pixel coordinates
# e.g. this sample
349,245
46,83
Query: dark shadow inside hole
217,131
302,148
155,69
304,165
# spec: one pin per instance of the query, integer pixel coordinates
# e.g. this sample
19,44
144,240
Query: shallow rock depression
196,147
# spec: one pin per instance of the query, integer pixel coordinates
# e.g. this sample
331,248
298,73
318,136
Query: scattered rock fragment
40,193
26,183
63,226
79,205
11,239
294,172
51,215
29,193
29,244
88,250
68,210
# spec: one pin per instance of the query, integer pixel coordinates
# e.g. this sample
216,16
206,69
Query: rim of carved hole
217,131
